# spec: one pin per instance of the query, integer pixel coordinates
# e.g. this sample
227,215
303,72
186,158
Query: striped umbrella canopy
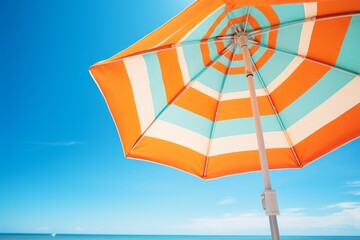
188,94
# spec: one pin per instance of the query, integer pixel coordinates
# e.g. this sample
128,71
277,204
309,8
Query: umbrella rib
187,86
294,23
306,58
232,24
247,18
276,113
216,113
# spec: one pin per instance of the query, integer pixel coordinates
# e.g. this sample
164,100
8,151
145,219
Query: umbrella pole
269,199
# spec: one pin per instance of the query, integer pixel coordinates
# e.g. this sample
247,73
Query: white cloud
293,211
291,221
356,185
345,205
353,183
357,192
227,201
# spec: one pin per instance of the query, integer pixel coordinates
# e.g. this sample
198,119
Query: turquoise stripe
221,27
275,66
235,83
265,39
213,79
157,88
186,119
237,63
230,31
224,60
327,86
189,120
242,126
238,82
258,54
288,39
238,12
202,29
194,61
349,55
289,12
213,50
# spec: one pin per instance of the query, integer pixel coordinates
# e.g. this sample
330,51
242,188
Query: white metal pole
269,196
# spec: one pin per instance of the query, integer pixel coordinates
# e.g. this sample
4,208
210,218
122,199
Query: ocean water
162,237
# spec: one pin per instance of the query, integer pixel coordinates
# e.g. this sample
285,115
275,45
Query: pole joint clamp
270,203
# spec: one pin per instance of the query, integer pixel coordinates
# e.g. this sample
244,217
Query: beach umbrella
234,86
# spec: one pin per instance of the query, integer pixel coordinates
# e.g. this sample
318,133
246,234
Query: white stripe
246,142
179,135
193,29
199,143
325,113
183,65
295,63
310,10
339,103
242,94
205,89
139,78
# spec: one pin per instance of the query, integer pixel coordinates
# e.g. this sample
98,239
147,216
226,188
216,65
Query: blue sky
61,164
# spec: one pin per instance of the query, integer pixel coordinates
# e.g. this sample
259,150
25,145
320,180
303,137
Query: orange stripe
169,154
205,51
196,18
264,58
241,162
225,29
252,50
185,21
255,25
241,108
337,7
235,4
221,67
220,45
215,24
342,130
237,70
273,19
324,48
198,103
239,19
308,73
171,73
251,21
115,86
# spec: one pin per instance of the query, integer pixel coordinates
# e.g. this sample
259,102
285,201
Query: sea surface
162,237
